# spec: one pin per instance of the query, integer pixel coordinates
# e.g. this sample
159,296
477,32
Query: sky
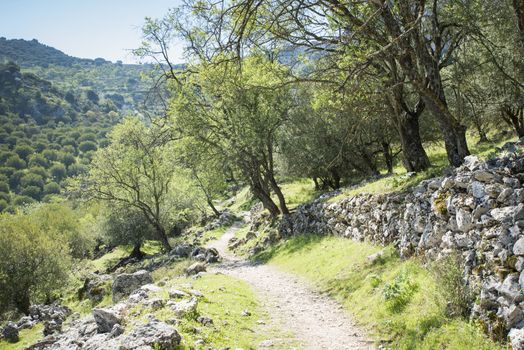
84,28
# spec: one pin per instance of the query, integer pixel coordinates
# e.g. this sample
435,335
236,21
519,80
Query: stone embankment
476,210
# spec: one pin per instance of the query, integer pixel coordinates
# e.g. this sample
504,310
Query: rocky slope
132,321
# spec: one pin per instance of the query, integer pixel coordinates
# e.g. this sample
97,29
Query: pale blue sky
83,28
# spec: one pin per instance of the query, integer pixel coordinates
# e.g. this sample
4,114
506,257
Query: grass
298,192
396,300
214,234
27,338
225,298
111,258
399,181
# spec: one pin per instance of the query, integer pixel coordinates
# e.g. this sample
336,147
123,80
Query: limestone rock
106,319
126,283
10,332
196,268
516,338
185,307
153,335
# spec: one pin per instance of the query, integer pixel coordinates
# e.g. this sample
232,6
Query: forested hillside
397,126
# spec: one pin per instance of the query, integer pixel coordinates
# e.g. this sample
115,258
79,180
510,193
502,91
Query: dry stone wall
476,210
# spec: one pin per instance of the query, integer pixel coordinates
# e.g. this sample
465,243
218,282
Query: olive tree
136,171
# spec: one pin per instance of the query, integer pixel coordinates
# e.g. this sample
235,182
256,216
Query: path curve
317,321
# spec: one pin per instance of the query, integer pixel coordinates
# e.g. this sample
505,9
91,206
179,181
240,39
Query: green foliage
32,179
398,293
87,146
33,264
58,171
52,188
449,274
15,162
137,172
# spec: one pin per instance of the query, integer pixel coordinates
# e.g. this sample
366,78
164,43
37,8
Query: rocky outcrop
10,332
106,319
476,210
126,283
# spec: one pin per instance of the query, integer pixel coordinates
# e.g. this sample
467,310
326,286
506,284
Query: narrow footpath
315,320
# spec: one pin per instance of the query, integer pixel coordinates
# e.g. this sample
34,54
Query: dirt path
315,320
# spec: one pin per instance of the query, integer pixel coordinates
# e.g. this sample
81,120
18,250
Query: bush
24,151
23,200
398,293
449,275
15,178
58,171
87,146
4,187
68,159
38,160
5,197
15,162
76,169
52,188
3,205
63,221
32,191
32,179
33,263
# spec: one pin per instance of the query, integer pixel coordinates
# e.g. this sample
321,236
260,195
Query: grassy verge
224,300
398,301
27,337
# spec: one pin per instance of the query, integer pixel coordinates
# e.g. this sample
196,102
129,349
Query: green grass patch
225,298
298,192
439,161
27,337
214,234
396,300
111,258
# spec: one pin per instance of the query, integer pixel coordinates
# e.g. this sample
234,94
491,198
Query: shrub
449,275
67,159
4,187
33,264
23,200
32,191
15,162
15,178
24,151
58,171
76,169
3,205
32,179
87,146
398,293
38,160
52,188
5,197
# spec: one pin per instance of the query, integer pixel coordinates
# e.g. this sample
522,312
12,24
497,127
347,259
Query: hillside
126,85
29,53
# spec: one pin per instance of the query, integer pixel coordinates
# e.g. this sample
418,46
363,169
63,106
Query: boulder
10,332
516,338
177,294
106,319
195,268
153,335
185,307
126,283
518,247
181,250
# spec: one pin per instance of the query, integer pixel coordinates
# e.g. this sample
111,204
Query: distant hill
28,53
124,84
